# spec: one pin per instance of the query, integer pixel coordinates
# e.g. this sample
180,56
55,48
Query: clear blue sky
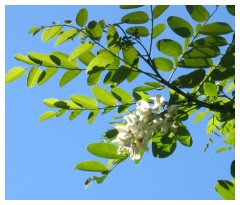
40,157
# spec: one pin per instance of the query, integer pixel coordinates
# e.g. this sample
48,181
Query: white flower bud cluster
140,126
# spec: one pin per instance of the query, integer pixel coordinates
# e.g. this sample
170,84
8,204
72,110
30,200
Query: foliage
118,52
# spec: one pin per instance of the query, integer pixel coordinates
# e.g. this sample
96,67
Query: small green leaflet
103,96
24,59
50,33
209,41
94,30
210,89
202,52
68,76
195,63
226,189
216,28
139,31
91,166
65,36
92,115
137,17
169,47
47,115
41,59
46,75
200,116
163,64
113,39
158,10
86,102
121,95
158,29
62,60
82,17
183,136
33,76
198,13
129,6
14,74
81,49
104,150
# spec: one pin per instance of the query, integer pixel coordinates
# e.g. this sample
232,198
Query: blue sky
40,156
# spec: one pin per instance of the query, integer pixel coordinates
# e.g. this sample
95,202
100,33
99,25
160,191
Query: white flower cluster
140,126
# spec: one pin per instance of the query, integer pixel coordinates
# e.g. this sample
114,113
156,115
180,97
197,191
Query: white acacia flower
143,110
158,101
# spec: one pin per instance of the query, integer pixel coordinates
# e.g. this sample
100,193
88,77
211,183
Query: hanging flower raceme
134,135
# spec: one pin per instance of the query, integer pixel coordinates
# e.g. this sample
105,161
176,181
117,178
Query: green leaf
120,75
163,147
210,89
47,115
111,134
158,10
86,57
216,28
129,6
224,148
68,76
104,150
183,136
24,59
113,39
86,102
232,168
227,60
139,31
61,59
50,33
190,80
82,17
94,30
222,73
225,189
141,95
46,75
133,75
74,114
34,29
180,26
163,64
209,41
91,166
94,76
33,76
102,60
65,36
121,95
50,102
137,17
143,88
130,56
41,59
202,52
81,50
195,63
103,96
92,116
169,47
231,9
198,13
200,116
14,74
158,29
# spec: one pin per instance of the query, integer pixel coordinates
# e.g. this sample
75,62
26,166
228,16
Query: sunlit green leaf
180,26
82,17
158,29
34,29
104,150
210,89
81,49
200,116
24,59
198,13
47,115
183,136
85,102
158,10
202,52
141,95
94,30
137,17
113,39
195,63
122,95
139,31
120,75
86,57
41,59
68,76
169,47
46,75
92,116
143,88
65,36
94,76
216,28
50,102
224,148
50,33
74,114
62,60
209,41
33,76
163,64
14,74
102,60
231,9
130,56
225,189
133,75
103,96
91,166
129,6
